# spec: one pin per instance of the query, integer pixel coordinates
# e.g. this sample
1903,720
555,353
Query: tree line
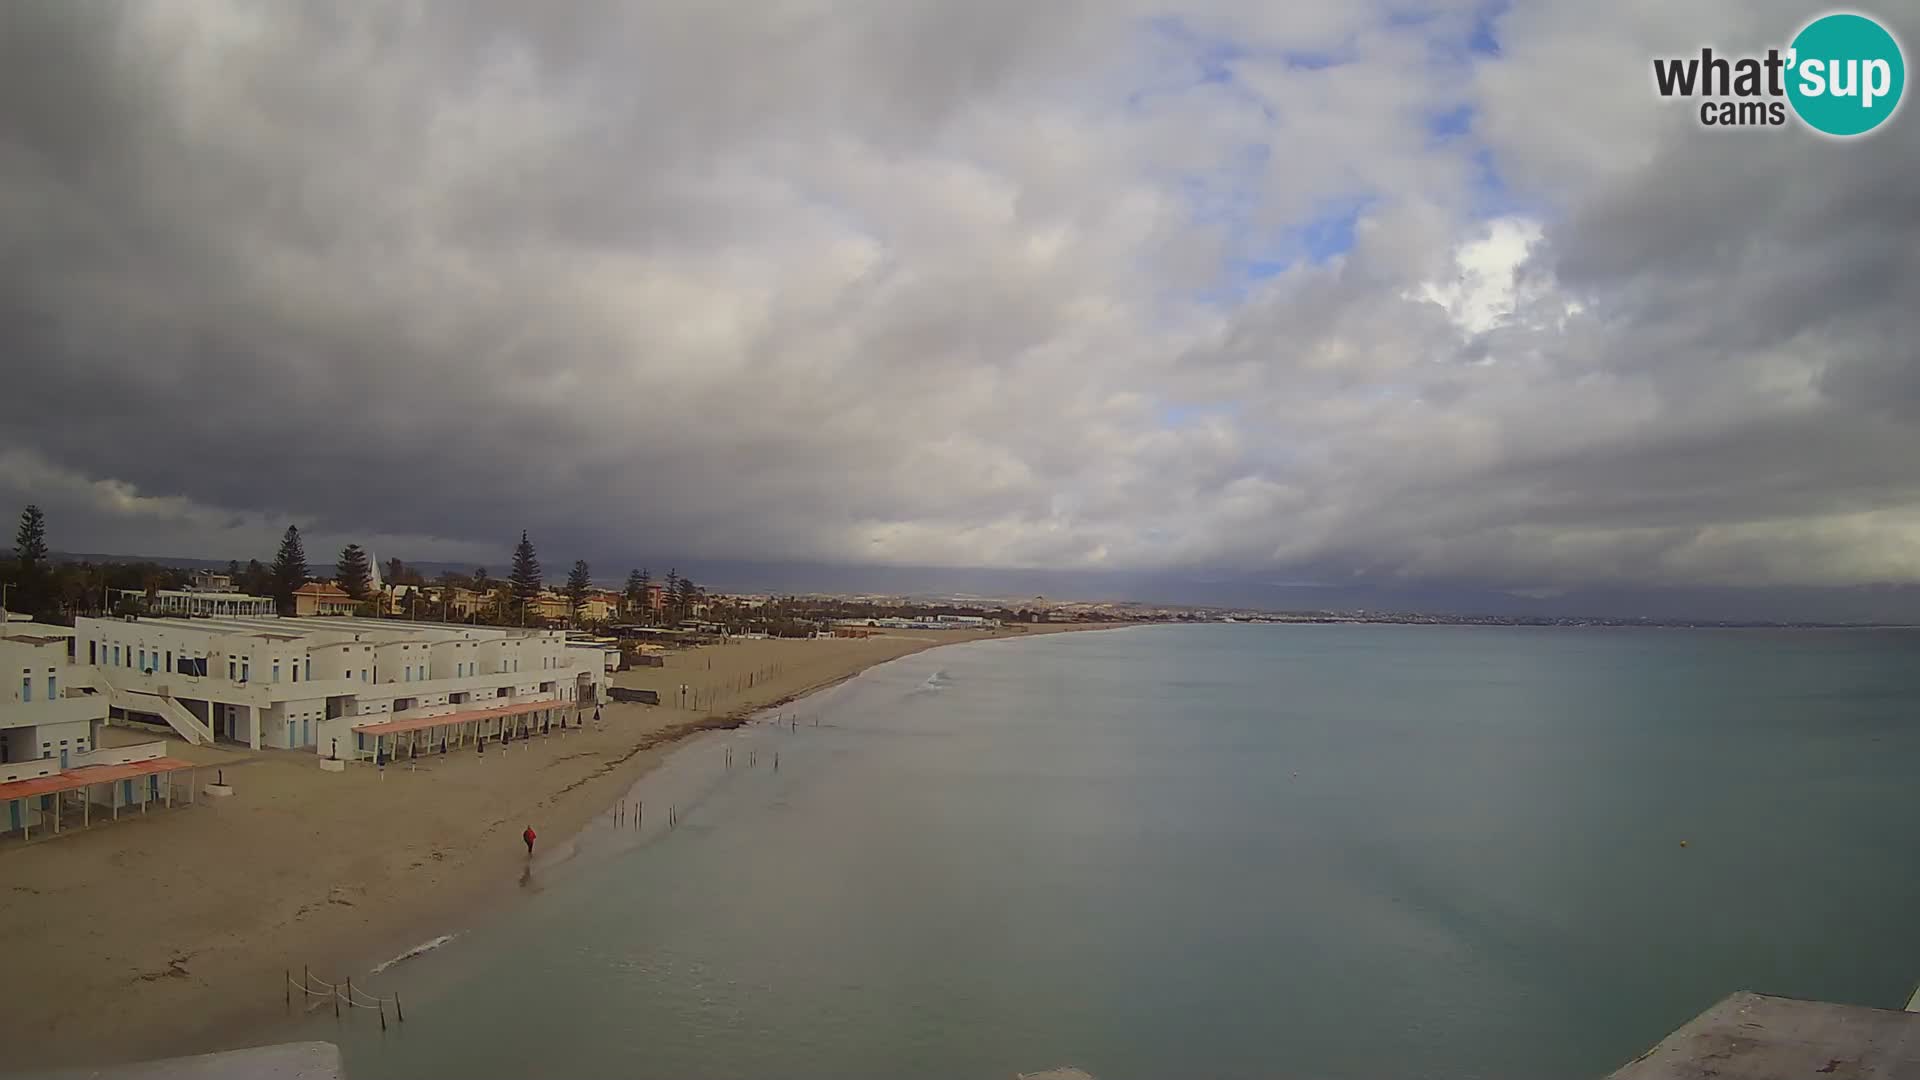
58,592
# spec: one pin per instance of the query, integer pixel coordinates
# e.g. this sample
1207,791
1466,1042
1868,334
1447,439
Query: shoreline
161,922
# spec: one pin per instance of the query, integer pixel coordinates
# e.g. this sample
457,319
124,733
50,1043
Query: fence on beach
342,994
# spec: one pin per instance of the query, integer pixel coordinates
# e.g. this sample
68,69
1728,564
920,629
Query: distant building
200,602
464,601
601,606
322,598
208,581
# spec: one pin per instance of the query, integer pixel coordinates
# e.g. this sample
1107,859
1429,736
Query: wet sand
170,934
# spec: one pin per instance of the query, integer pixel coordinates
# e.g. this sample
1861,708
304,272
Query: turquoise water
1222,851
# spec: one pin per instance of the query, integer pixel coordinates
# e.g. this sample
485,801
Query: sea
1333,851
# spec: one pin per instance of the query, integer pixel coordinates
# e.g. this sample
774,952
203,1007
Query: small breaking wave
423,947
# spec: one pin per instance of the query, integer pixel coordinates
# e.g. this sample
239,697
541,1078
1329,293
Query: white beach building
52,766
335,684
49,710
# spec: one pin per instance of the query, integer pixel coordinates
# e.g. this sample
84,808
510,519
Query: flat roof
1751,1036
416,723
88,775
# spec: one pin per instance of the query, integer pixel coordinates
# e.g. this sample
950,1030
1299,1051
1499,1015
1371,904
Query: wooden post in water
381,1003
290,989
335,995
398,1013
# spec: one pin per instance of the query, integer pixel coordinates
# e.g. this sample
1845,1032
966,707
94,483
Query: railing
177,716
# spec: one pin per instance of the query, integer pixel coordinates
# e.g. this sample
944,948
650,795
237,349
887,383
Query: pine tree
289,568
30,551
636,592
254,580
579,583
688,597
30,541
353,572
396,570
481,583
670,596
646,596
233,571
526,570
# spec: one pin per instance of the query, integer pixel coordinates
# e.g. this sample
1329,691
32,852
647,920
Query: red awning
87,776
417,723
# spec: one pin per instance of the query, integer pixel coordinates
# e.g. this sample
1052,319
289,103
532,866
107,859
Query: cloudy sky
1406,293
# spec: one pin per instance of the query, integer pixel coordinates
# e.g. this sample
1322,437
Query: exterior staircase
162,705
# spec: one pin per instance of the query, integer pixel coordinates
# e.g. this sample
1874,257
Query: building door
63,758
306,733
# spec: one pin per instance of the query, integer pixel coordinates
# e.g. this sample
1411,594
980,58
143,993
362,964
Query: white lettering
1847,87
1813,77
1872,87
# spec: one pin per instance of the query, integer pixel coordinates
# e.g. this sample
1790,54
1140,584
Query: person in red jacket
529,836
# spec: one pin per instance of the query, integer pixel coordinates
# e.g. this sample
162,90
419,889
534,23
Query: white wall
121,755
27,770
292,724
47,740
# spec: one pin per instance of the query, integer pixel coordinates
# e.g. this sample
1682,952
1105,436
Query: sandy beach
178,925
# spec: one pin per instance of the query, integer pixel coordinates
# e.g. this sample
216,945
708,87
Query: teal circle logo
1846,74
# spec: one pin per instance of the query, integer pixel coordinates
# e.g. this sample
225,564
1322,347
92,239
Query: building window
26,688
53,688
143,659
116,656
309,663
244,672
93,653
276,671
296,671
233,669
169,661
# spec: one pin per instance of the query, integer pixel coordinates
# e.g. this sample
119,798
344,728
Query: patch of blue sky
1446,124
1228,196
1180,414
1257,258
1208,60
1483,39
